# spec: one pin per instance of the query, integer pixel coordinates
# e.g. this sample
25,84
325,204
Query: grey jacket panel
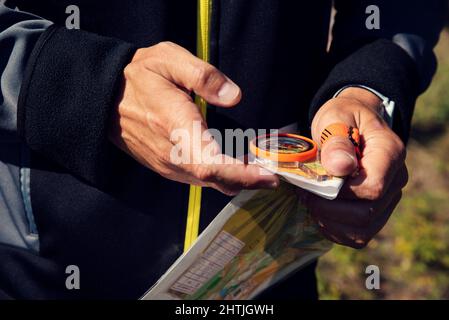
17,226
18,33
420,51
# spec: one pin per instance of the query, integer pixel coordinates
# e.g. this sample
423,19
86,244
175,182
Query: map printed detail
220,252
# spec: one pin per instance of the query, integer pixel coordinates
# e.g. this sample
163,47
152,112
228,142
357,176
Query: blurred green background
412,251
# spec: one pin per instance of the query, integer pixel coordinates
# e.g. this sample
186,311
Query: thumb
179,66
338,154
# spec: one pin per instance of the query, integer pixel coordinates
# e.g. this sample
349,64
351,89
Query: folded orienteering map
257,239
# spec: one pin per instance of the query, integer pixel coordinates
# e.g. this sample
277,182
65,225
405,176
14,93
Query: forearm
71,84
397,79
396,60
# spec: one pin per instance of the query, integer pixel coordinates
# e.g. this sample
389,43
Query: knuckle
227,191
359,244
163,170
375,190
362,240
401,149
359,241
395,148
204,173
129,71
159,53
165,173
205,75
164,45
166,161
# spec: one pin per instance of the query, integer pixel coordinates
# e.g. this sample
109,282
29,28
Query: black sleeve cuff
384,67
71,83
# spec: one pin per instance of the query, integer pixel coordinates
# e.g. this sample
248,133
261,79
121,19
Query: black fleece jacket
122,224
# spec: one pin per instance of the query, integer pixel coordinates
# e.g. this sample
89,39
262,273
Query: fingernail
343,159
228,92
343,155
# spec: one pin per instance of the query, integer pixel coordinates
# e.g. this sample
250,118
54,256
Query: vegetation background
412,251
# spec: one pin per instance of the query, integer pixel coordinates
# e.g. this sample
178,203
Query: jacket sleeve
19,32
396,59
71,82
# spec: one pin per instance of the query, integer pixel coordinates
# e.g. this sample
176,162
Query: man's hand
368,198
156,100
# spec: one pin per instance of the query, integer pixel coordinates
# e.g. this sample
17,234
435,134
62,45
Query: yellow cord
203,35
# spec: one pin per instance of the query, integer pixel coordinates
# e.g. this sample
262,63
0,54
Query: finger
342,234
178,65
167,107
349,189
174,112
338,153
140,135
338,156
383,156
352,236
382,219
355,213
230,175
349,212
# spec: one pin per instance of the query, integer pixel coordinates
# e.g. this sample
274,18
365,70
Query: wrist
363,96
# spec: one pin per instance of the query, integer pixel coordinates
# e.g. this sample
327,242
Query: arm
71,82
397,61
83,94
